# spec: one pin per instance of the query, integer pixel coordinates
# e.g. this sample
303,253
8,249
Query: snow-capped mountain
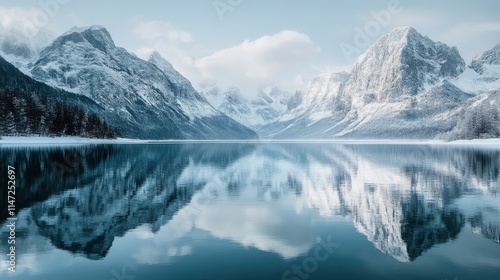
404,86
268,105
151,99
401,63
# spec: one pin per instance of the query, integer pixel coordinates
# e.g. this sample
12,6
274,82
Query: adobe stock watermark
47,9
123,274
363,36
222,7
310,264
72,160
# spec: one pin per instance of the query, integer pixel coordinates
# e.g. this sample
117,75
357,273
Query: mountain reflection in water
405,199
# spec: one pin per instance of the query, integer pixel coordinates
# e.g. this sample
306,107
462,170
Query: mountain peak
403,62
156,58
401,37
96,35
155,55
404,30
181,83
491,57
78,29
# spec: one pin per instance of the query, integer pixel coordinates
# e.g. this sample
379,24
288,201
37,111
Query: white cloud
465,30
25,26
155,30
173,44
11,17
254,224
19,23
270,60
275,59
144,52
259,225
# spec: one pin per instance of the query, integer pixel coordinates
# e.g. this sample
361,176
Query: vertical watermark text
11,220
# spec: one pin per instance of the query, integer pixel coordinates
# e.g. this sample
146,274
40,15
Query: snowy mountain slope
423,116
322,97
319,106
229,101
151,99
266,107
483,74
13,80
479,117
397,89
490,57
180,83
473,82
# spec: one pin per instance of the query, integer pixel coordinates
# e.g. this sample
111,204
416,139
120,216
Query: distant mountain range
404,86
269,104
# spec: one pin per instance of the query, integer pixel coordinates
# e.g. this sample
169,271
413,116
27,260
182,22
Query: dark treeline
25,114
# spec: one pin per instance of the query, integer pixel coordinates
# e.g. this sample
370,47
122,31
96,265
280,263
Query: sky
255,43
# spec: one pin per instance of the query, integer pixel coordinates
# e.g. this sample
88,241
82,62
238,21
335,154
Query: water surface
254,211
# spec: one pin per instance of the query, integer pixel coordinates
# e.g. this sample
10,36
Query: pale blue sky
305,37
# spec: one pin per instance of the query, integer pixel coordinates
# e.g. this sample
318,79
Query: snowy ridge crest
96,35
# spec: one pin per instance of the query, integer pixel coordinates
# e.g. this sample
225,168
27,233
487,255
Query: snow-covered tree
10,124
479,122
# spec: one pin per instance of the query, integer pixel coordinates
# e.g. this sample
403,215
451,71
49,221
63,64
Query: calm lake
253,211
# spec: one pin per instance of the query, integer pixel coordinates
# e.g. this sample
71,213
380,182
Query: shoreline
43,141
